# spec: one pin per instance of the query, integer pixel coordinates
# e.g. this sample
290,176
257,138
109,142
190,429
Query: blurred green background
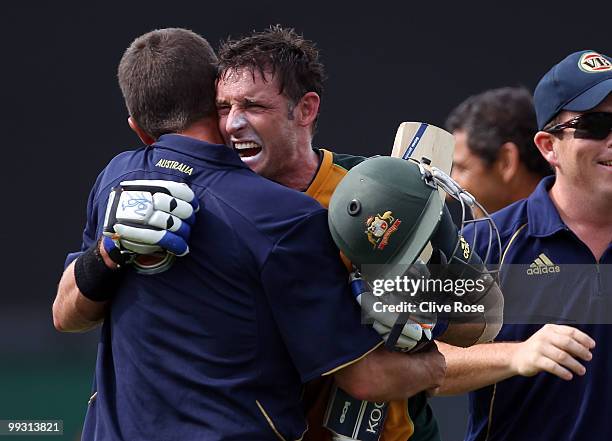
44,375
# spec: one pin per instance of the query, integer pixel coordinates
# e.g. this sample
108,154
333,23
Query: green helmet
383,213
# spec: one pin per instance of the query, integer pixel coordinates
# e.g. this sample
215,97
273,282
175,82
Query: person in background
495,157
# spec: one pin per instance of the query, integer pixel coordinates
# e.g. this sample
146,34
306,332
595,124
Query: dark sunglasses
595,125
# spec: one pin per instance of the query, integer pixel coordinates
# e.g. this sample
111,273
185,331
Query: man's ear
307,109
144,136
545,142
508,161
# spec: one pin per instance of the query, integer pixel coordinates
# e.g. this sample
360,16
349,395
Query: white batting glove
145,216
417,329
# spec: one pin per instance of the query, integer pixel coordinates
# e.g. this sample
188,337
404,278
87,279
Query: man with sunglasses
552,382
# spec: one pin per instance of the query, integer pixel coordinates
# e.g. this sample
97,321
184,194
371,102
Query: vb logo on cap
578,83
592,62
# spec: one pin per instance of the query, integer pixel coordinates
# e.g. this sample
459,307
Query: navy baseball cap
578,83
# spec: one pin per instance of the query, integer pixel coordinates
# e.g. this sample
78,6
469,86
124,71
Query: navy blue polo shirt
218,346
548,276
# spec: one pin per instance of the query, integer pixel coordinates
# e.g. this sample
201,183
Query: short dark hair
495,117
288,56
167,78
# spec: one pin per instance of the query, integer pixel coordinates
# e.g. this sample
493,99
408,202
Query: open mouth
606,163
247,149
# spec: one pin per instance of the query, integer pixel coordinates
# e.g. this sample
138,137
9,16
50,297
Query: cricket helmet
387,210
383,213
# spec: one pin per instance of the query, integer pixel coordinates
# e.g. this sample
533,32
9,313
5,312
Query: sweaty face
257,122
476,176
585,164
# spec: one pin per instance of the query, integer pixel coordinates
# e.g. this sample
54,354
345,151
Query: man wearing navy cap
553,382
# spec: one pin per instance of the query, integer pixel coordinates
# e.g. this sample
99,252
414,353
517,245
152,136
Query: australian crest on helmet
380,228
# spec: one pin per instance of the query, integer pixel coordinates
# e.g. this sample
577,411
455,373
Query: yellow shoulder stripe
327,179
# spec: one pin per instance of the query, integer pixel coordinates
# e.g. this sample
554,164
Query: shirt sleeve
307,289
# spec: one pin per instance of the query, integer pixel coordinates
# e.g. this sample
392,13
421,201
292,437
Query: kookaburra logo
345,409
375,418
592,62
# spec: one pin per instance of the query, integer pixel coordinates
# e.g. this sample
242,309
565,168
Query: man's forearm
479,328
471,368
72,311
386,376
